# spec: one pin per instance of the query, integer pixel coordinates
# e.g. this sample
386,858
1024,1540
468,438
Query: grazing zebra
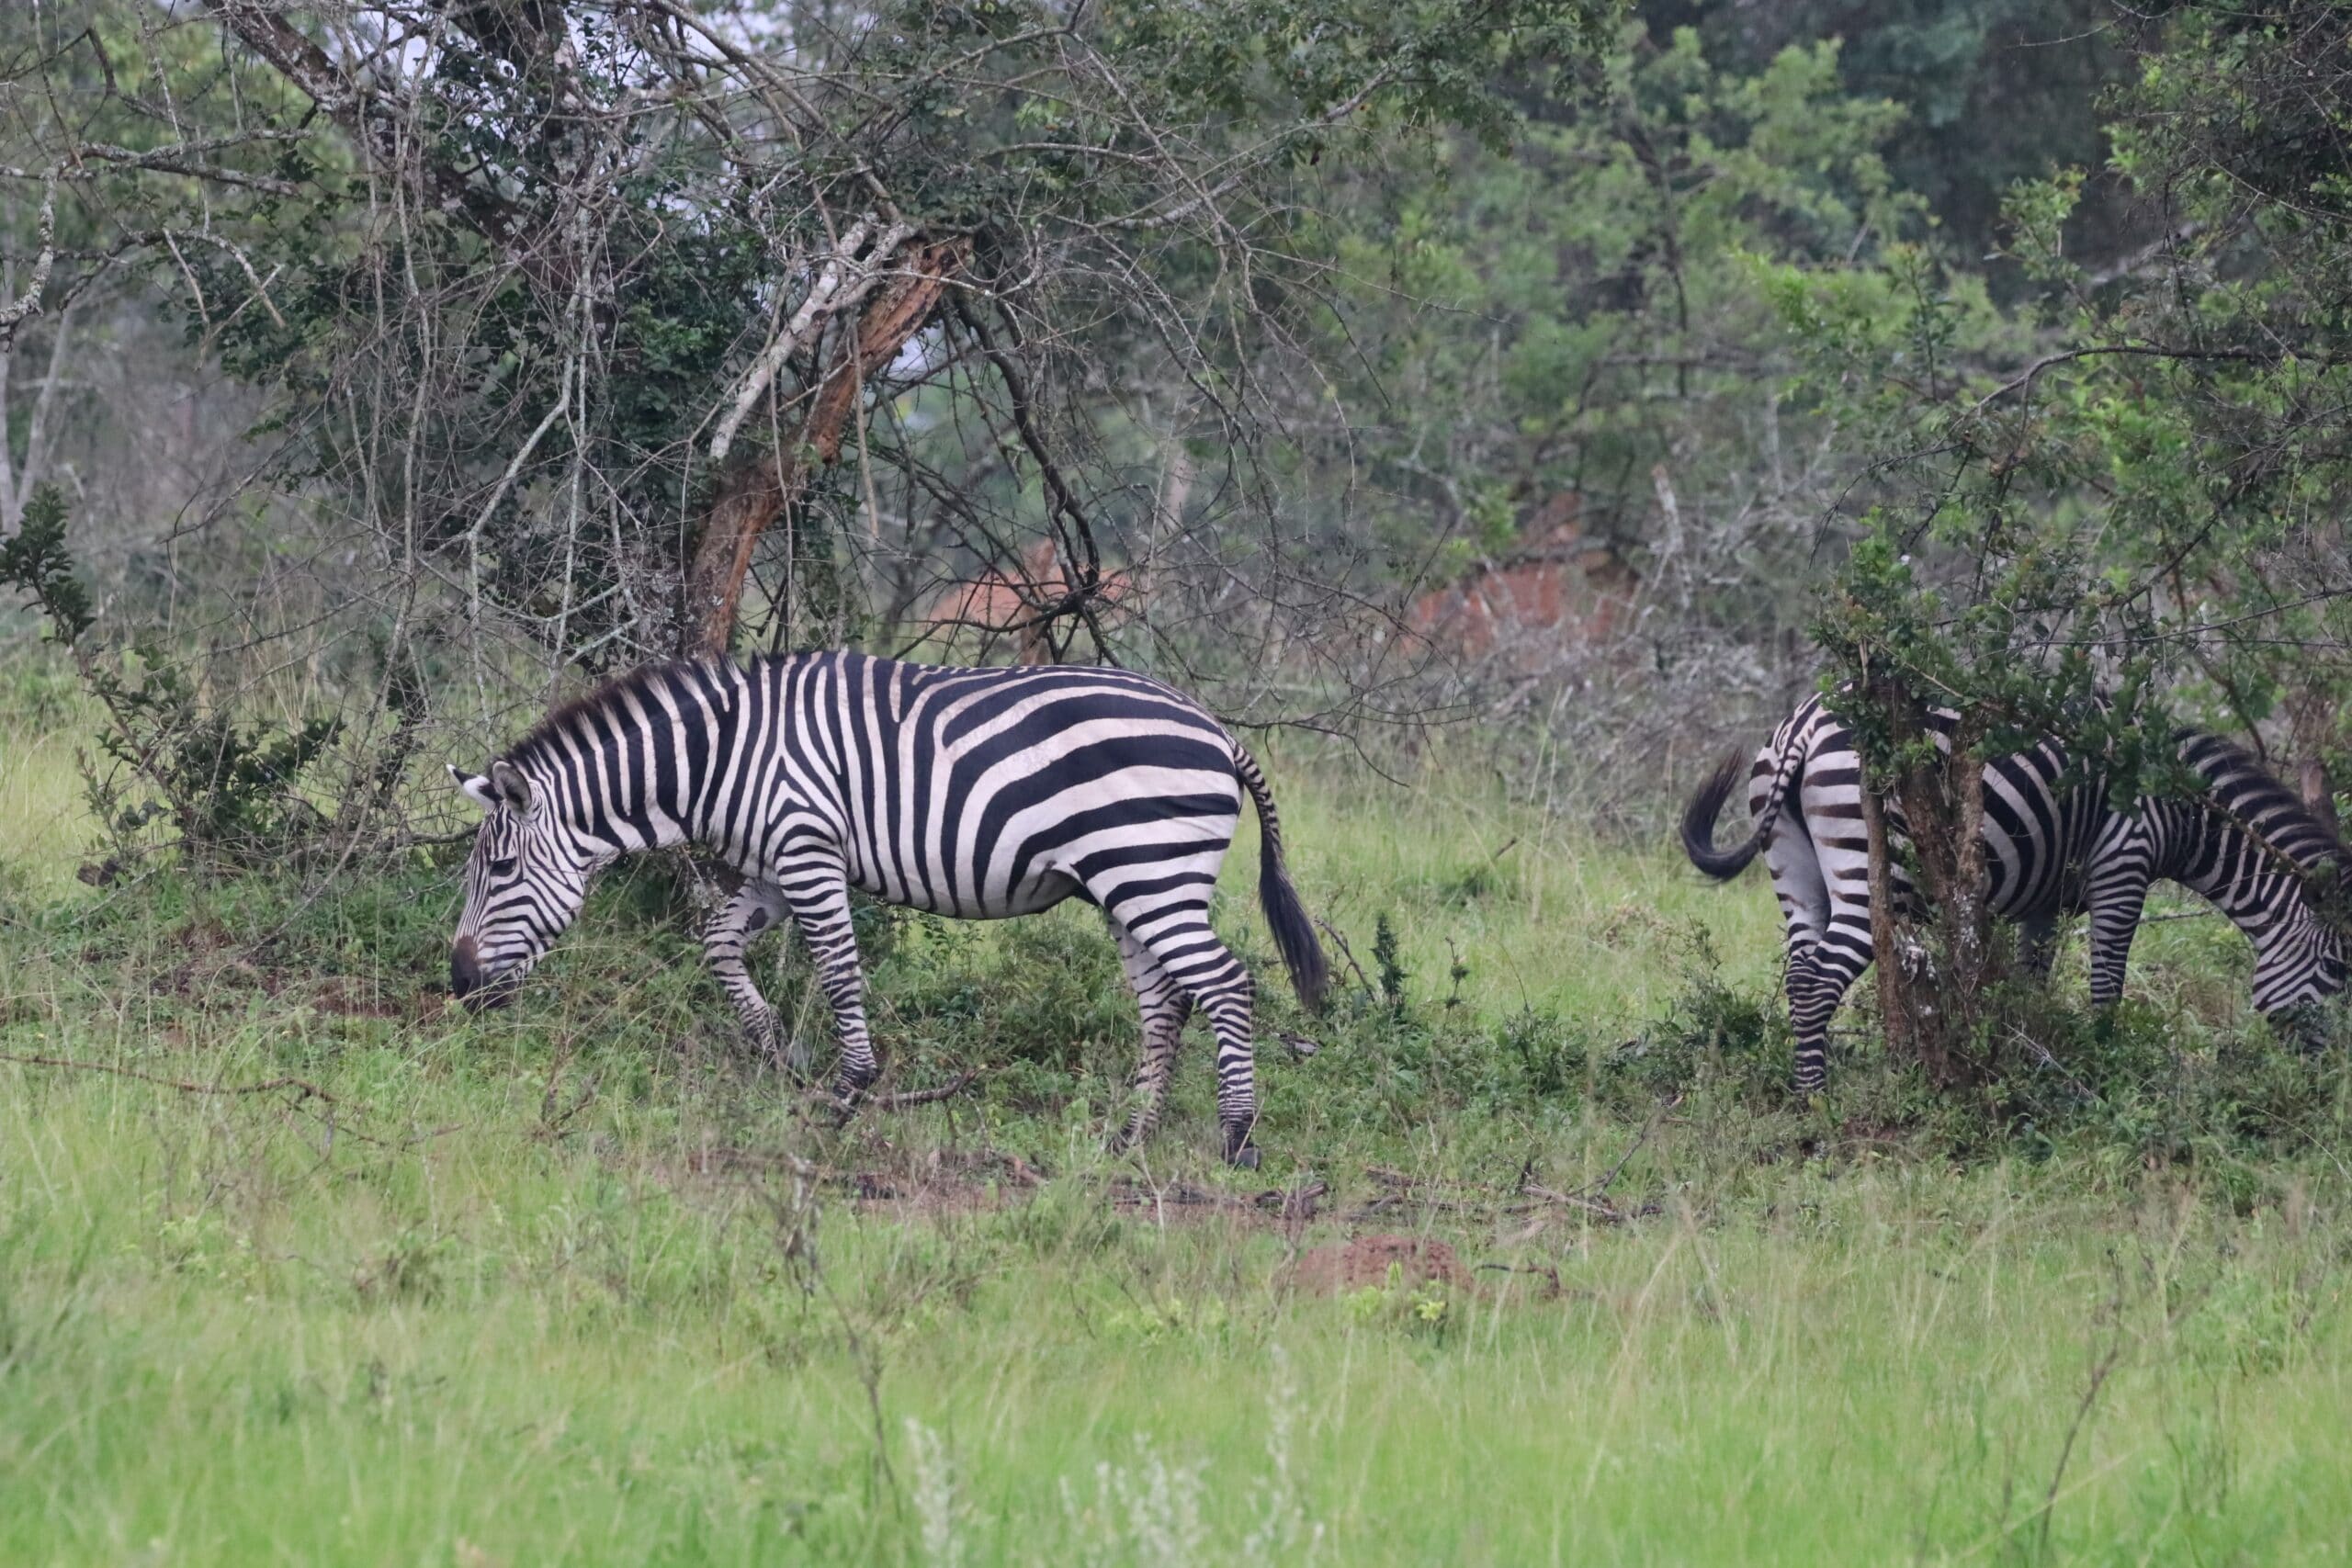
2051,849
979,793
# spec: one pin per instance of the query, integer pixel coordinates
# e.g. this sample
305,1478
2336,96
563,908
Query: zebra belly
2020,886
1033,897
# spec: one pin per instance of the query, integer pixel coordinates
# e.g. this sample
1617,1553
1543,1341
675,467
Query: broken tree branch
756,491
17,312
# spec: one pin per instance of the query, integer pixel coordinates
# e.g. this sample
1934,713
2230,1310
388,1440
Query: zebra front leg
2116,909
816,893
755,907
2302,1027
2037,946
1165,1008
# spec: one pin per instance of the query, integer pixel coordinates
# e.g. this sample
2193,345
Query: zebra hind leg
755,907
1165,1009
1190,953
1817,983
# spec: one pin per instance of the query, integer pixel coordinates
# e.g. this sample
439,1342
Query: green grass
1541,915
575,1282
44,822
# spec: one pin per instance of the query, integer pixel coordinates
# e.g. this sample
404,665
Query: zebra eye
503,867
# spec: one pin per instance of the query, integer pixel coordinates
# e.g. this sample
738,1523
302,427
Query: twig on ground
1609,1179
1599,1208
2103,1369
2041,1052
1541,1270
826,1098
305,1087
1408,1192
1291,1202
553,1121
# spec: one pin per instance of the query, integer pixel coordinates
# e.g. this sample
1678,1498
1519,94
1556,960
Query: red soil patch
1350,1265
1560,589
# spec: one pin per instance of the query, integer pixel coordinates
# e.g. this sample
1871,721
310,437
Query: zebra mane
641,682
2245,793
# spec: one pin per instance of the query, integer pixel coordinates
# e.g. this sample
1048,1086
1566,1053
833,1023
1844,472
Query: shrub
230,791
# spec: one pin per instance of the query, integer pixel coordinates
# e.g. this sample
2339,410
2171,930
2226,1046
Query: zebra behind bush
978,794
2051,848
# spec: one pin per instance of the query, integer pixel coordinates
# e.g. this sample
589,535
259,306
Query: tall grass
230,1340
45,823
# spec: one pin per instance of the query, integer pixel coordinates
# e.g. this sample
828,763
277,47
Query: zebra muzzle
470,986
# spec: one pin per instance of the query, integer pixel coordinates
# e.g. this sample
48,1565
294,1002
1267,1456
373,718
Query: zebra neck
704,739
2251,883
650,778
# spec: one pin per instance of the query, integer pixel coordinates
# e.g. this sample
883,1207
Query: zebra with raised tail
2054,847
975,792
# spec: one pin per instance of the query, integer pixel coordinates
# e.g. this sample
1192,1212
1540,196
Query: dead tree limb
905,1099
754,492
15,312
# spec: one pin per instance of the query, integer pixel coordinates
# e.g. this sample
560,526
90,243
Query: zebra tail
1295,936
1699,819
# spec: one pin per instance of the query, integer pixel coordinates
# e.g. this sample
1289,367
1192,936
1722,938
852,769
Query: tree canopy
1602,377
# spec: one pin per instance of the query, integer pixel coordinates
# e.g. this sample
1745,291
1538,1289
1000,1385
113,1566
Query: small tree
230,791
2114,501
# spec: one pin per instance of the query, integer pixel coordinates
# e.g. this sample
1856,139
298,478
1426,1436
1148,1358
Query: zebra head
2304,959
2280,874
524,883
2303,965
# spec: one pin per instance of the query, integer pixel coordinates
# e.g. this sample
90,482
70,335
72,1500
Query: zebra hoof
1240,1151
838,1102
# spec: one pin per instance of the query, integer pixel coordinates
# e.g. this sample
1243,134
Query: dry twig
304,1088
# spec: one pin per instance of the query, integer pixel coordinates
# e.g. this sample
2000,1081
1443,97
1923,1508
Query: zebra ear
475,788
513,790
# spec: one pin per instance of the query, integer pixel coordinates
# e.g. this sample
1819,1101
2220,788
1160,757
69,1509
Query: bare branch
849,273
15,312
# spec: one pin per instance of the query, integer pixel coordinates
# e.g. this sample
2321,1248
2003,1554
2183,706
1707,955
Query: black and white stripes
980,793
2052,846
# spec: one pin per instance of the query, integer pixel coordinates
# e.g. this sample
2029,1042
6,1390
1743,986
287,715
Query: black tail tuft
1295,936
1698,824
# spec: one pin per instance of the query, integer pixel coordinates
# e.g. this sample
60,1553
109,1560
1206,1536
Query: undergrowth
1040,1008
583,1280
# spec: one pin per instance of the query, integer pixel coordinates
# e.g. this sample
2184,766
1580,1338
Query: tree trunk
1943,802
1886,941
758,489
2312,721
1933,983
